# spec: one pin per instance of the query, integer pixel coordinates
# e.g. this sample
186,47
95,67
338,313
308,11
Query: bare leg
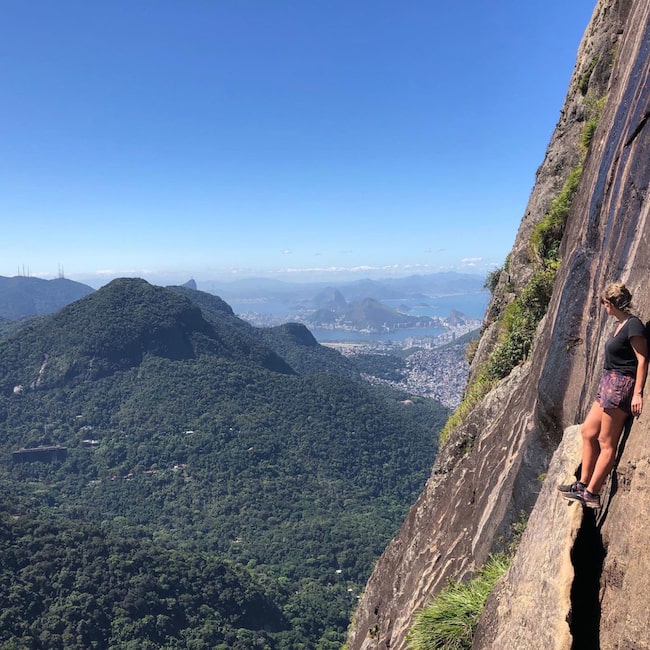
612,424
590,431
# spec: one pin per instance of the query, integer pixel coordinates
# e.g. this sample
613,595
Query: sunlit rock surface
494,468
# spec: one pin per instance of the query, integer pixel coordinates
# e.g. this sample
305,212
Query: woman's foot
588,499
572,488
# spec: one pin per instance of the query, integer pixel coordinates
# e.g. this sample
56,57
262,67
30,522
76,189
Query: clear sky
214,139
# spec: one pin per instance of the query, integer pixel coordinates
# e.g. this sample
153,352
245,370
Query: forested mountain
22,296
223,485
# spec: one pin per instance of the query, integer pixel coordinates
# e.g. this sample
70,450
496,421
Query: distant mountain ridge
366,306
22,296
443,283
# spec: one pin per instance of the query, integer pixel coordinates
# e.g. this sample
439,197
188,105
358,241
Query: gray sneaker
588,499
572,488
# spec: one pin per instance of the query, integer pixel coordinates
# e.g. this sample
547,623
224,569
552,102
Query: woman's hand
640,347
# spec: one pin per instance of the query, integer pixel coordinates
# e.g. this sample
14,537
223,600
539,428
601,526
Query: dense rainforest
223,486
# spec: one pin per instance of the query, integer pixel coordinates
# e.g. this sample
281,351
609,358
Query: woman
620,394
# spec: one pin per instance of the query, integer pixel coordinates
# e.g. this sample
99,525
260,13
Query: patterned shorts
615,390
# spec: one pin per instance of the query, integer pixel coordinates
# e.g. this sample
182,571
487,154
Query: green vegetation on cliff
450,620
519,319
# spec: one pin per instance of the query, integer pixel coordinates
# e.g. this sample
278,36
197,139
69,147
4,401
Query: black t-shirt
619,354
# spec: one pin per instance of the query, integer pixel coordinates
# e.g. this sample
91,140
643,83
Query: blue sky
216,139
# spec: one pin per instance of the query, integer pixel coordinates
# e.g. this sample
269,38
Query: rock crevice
587,557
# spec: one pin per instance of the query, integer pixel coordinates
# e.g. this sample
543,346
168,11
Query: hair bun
619,295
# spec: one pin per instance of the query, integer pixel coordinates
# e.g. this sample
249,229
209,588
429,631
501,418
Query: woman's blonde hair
619,296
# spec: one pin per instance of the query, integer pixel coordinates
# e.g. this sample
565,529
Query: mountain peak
114,328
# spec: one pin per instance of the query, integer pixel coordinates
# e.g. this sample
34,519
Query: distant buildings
42,454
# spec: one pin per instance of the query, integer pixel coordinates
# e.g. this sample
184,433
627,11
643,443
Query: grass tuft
449,621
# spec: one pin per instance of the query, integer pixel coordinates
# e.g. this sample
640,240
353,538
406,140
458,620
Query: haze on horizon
300,141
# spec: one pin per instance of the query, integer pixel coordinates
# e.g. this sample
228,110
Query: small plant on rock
450,620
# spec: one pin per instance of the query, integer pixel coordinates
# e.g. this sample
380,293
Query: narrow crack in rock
588,555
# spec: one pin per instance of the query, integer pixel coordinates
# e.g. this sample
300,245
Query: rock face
538,585
586,577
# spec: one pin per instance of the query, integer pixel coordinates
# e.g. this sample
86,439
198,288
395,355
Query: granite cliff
578,579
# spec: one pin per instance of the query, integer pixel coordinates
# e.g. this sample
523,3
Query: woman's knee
590,428
589,431
612,427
